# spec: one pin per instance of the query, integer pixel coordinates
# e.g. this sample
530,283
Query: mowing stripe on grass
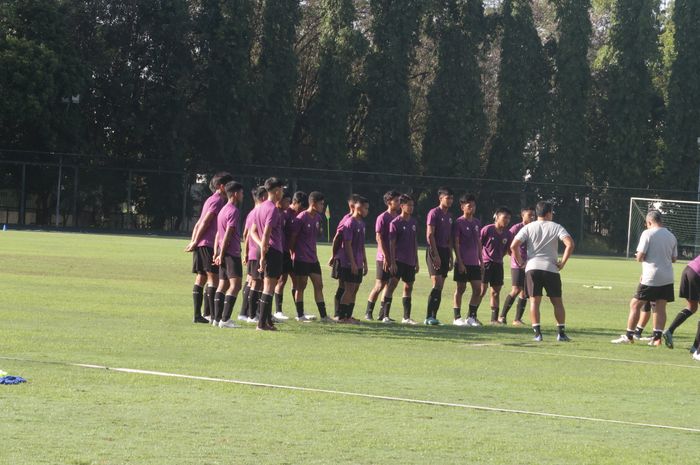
588,357
364,396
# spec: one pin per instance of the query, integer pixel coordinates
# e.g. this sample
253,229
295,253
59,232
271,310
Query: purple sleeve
392,231
295,224
432,220
484,234
232,219
379,224
346,232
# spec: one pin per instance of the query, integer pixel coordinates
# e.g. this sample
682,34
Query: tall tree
456,125
683,120
395,28
522,92
276,75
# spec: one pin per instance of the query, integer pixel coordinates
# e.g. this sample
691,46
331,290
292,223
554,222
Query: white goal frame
643,199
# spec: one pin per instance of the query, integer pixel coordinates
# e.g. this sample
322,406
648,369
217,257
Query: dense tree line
601,93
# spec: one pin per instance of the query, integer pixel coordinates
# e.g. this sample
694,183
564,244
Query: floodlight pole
58,189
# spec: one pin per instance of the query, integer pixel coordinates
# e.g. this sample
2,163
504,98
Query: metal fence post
23,195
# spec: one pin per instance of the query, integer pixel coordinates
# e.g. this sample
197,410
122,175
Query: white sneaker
228,324
696,355
310,317
622,340
459,322
471,321
386,319
303,319
208,318
280,316
242,318
252,320
408,321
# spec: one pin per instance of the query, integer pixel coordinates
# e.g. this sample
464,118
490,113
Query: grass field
123,301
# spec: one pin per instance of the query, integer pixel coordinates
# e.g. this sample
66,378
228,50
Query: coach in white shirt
657,250
542,238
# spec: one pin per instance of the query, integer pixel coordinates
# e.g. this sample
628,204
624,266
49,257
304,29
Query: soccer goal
681,217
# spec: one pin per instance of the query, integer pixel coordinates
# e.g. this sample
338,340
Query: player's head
654,218
352,200
300,201
317,201
286,200
275,189
219,180
234,192
391,199
446,197
361,206
467,203
527,214
544,209
407,204
501,217
259,194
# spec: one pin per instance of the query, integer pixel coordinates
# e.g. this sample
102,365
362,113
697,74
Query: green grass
125,302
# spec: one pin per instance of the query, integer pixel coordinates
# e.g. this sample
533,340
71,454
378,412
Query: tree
456,125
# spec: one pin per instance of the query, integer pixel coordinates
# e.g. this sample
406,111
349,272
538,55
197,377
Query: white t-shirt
660,248
542,240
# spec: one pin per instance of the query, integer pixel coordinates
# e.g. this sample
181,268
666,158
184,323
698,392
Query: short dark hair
273,183
222,177
232,187
353,198
392,194
316,196
287,194
361,200
543,208
503,210
527,208
466,198
301,198
444,191
260,193
405,198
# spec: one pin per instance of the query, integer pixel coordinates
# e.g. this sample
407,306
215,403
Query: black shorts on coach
231,267
445,254
306,268
381,274
347,276
203,260
538,280
274,263
493,274
517,277
654,293
471,273
690,285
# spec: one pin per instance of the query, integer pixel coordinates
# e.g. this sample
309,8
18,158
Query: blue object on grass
12,380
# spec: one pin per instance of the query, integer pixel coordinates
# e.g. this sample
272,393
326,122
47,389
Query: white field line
587,357
371,396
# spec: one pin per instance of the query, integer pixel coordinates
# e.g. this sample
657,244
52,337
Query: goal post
681,217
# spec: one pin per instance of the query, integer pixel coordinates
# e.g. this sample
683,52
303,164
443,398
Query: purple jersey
213,204
494,245
269,215
353,230
228,218
253,249
404,233
339,231
468,231
288,218
515,229
695,265
441,221
306,228
381,227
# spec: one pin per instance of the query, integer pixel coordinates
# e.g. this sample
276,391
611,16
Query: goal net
681,217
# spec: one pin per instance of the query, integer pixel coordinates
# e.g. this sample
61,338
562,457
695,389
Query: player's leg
379,284
690,308
434,299
535,302
302,281
517,276
406,300
636,306
560,317
461,287
210,293
243,315
474,302
230,301
387,299
696,344
347,301
317,283
200,281
644,317
659,321
690,291
220,295
279,295
494,300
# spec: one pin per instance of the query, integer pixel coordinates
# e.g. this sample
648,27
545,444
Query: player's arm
568,250
226,241
433,247
455,247
264,246
293,241
640,256
365,268
450,246
199,229
515,252
216,246
244,256
386,251
347,247
392,247
415,247
337,242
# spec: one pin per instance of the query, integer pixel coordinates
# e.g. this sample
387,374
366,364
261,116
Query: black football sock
338,295
229,302
351,308
264,302
322,309
696,343
679,320
197,298
254,305
472,311
494,313
537,330
300,308
244,301
561,329
457,312
294,294
209,294
370,308
433,302
656,334
278,302
218,305
630,334
406,308
268,311
386,307
342,311
507,303
520,309
638,331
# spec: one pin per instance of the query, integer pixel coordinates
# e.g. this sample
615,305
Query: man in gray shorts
542,238
657,251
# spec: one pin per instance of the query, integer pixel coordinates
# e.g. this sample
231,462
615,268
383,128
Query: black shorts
405,272
381,274
654,293
231,267
537,280
471,273
203,260
690,285
274,263
517,277
335,269
287,265
493,274
444,253
253,272
347,276
306,268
